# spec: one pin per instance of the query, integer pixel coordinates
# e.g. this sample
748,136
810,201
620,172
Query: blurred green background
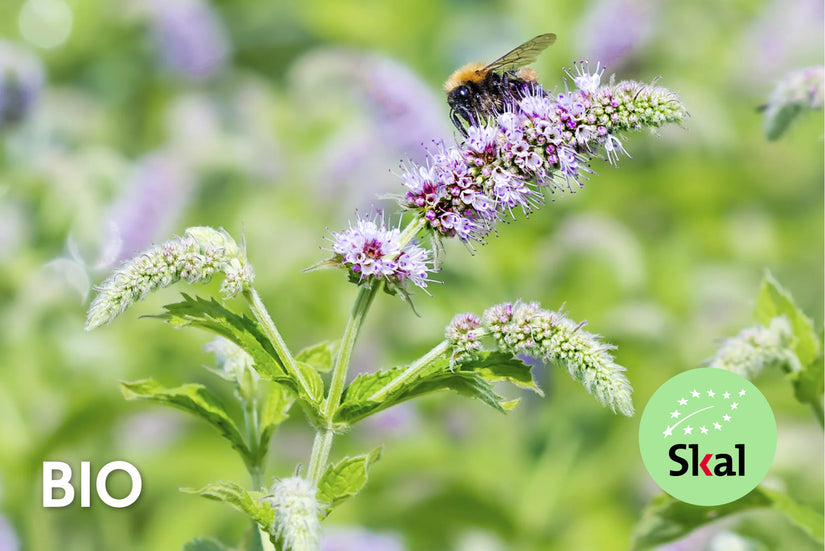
276,120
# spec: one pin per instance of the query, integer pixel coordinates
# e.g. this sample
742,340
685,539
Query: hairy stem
323,439
260,539
262,315
411,231
414,370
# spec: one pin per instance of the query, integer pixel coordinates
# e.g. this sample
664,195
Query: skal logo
707,436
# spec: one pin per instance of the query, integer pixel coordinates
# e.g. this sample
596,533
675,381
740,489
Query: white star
734,405
726,395
717,426
742,392
704,430
711,393
682,402
668,431
694,394
726,417
674,414
688,429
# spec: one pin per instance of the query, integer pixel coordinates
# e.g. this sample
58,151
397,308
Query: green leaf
808,386
195,399
773,300
205,544
246,333
500,366
472,379
243,331
237,497
276,407
807,519
346,478
778,121
319,355
315,386
667,519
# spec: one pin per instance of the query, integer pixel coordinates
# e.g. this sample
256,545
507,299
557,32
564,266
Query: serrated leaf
276,407
246,333
499,366
357,405
205,544
319,355
772,301
314,384
667,519
237,497
470,378
243,331
195,399
345,478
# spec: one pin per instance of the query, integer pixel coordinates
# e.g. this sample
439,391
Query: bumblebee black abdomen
471,102
477,91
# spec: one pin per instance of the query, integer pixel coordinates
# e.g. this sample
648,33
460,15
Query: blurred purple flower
148,206
401,114
612,29
8,538
406,113
149,432
189,36
398,421
356,539
21,82
786,34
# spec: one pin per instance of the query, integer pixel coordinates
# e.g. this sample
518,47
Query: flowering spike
297,510
527,329
370,251
758,347
799,91
464,337
539,142
195,257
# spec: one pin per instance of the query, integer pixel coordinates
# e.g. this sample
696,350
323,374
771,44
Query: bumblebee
476,90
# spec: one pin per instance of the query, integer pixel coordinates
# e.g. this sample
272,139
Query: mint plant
539,145
782,338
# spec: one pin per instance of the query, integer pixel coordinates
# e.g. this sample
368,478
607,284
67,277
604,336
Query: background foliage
279,119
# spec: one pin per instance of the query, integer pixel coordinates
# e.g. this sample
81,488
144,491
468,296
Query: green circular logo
707,436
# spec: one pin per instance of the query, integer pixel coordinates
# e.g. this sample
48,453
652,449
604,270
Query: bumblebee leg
459,124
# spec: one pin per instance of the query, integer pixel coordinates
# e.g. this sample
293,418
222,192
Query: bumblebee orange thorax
471,72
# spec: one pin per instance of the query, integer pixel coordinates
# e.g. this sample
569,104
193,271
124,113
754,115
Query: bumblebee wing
522,55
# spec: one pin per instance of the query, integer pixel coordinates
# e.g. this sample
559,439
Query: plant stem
411,231
262,315
323,438
414,370
260,539
320,453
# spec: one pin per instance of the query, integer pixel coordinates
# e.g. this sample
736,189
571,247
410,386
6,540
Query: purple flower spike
540,142
371,251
